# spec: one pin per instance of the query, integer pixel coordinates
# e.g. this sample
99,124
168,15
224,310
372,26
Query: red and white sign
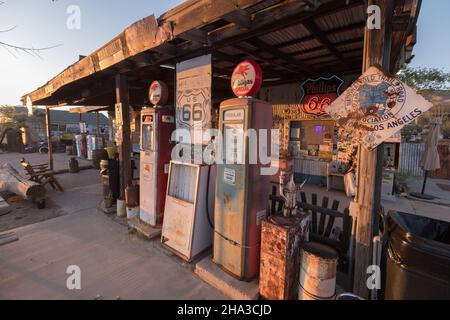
158,93
246,79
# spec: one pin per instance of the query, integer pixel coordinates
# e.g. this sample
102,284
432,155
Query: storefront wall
311,139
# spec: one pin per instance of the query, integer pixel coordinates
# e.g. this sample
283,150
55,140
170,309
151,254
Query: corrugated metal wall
311,167
410,155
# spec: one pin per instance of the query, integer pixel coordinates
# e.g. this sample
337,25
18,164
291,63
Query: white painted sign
234,115
229,176
375,107
193,110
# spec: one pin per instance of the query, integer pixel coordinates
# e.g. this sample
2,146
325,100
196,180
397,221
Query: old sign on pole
247,78
375,107
318,94
158,93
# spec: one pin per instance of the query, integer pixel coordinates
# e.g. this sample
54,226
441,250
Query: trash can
418,258
109,170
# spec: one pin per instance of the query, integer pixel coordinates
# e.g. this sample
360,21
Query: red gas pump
242,192
157,125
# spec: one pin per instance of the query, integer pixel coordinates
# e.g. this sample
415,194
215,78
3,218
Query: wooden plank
48,131
368,198
122,99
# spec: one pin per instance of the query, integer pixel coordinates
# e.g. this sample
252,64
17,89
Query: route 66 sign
192,108
193,100
318,94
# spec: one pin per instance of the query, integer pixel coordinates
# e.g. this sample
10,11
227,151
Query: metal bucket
318,272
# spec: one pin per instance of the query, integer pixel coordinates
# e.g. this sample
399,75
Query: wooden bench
41,174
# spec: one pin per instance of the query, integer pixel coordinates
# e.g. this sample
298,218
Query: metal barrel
318,272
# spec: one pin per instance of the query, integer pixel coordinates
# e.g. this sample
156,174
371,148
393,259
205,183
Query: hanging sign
246,79
375,107
318,94
158,93
193,111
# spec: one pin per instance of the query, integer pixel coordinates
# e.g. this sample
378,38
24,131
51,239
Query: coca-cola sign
318,94
246,79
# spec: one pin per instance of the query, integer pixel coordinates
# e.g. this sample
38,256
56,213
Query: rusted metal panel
280,245
410,155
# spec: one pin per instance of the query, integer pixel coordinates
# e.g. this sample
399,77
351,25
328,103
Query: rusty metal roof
292,39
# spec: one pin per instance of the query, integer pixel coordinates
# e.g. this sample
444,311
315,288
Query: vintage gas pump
242,192
188,217
157,125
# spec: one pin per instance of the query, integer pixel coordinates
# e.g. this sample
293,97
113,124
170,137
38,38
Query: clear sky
42,23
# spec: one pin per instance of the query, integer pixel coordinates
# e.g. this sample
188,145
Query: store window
313,138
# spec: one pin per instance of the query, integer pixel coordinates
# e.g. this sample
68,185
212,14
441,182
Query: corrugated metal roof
342,18
301,46
287,34
262,5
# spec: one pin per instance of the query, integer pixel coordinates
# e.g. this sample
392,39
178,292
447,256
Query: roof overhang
291,39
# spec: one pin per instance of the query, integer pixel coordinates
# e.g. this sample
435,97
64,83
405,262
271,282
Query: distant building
63,122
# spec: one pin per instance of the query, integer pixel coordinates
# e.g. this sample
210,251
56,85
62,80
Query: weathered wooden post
367,205
123,122
48,130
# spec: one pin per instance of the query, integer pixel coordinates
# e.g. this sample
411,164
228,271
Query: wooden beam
280,54
258,56
195,35
240,18
48,130
351,27
290,15
314,29
367,205
123,106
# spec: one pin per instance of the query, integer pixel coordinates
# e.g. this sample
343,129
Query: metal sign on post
318,94
375,107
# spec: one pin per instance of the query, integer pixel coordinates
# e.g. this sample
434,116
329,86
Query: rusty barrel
318,272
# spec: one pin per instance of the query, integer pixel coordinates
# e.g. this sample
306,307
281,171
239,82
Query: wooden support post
111,128
367,206
123,118
97,123
48,131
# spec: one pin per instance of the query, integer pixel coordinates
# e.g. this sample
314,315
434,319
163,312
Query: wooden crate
280,250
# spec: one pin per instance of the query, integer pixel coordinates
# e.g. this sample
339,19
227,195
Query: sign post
370,111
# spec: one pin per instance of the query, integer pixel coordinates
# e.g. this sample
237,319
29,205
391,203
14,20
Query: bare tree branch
17,49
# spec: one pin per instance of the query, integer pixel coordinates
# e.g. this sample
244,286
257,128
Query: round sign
246,79
158,93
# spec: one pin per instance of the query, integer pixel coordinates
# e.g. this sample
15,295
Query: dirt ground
24,212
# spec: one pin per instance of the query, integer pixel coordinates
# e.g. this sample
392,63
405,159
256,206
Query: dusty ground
114,263
24,213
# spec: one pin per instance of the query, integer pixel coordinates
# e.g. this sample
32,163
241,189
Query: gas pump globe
157,125
242,192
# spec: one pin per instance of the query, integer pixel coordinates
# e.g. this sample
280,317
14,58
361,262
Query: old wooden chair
41,174
325,222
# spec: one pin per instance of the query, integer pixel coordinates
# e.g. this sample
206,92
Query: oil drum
109,170
318,272
97,156
73,165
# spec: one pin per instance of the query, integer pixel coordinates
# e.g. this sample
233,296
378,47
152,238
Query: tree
12,49
10,119
426,79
